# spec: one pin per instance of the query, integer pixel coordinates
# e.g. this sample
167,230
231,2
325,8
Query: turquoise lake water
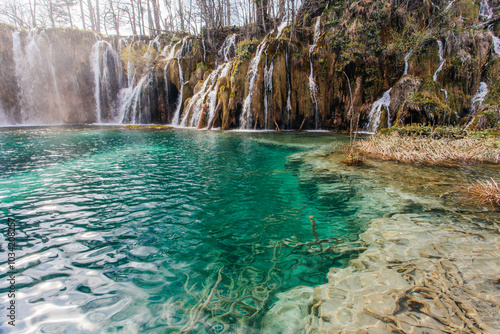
160,231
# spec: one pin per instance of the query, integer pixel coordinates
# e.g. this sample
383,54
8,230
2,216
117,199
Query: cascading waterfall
407,58
376,112
289,93
126,93
207,95
478,99
169,54
485,10
107,68
441,60
40,100
312,83
268,89
441,64
204,51
3,115
225,50
445,95
449,5
496,45
133,108
252,75
135,103
178,109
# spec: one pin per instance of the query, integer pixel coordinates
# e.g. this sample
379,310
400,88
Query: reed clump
487,192
427,150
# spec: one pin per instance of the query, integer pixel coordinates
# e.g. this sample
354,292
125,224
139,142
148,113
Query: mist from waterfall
39,96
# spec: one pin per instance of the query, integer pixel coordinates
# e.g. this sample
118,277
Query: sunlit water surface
162,231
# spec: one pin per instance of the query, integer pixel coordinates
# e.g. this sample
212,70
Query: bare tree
82,13
33,12
98,16
15,13
91,14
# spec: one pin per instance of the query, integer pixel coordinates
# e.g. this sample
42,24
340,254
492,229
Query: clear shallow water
162,231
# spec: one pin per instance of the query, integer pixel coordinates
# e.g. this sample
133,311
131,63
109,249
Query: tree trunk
69,15
150,19
51,16
181,15
33,13
132,19
157,15
98,16
142,26
83,15
91,15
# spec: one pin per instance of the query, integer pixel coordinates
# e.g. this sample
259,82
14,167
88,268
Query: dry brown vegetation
429,151
487,192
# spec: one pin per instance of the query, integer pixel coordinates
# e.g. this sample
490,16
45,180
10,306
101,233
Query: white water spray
441,60
485,10
496,45
478,99
228,45
252,75
376,112
407,58
268,89
107,68
312,84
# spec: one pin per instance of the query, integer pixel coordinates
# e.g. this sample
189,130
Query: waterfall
478,99
178,109
445,95
134,102
198,99
376,112
449,5
441,60
40,99
407,58
485,10
107,69
289,93
228,45
207,95
268,89
252,75
204,51
312,83
3,116
496,45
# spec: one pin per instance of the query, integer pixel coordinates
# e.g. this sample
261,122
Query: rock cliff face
384,62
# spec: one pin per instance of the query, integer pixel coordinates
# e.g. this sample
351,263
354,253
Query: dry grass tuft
429,151
487,192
